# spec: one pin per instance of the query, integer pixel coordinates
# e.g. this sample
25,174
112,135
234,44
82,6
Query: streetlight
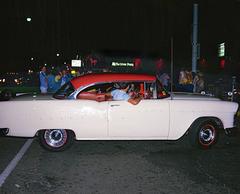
29,19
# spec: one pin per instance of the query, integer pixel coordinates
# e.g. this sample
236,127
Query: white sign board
76,63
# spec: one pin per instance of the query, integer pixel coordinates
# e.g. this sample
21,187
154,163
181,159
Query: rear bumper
232,131
4,131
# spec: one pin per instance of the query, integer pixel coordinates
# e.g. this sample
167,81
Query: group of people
190,82
52,82
187,81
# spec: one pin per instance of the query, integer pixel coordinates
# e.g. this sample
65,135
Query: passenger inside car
121,93
133,92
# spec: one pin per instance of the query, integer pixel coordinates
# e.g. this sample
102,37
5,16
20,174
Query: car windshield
64,91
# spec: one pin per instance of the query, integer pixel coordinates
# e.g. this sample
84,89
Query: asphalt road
124,167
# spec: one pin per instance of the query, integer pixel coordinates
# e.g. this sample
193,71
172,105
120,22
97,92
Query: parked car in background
12,84
225,87
81,110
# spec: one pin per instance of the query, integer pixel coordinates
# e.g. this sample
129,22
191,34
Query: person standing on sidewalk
43,80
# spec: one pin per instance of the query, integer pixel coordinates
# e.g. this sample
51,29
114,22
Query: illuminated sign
121,64
76,63
221,49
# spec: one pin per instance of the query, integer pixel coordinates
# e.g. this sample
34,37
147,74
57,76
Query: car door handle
112,105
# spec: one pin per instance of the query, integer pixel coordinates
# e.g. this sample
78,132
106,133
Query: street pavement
162,167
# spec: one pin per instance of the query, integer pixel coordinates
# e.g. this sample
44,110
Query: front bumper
4,131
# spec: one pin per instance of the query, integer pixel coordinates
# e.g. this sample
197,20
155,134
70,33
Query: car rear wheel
56,139
204,133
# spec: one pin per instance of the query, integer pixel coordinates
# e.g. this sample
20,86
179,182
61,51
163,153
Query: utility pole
171,68
195,38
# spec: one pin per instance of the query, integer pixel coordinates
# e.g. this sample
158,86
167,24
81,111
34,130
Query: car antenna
171,89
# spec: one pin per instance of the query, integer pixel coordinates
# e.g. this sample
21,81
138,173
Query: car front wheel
56,139
204,133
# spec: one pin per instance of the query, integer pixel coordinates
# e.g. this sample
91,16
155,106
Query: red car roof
109,77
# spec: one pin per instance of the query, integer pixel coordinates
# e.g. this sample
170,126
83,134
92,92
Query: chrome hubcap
207,134
55,137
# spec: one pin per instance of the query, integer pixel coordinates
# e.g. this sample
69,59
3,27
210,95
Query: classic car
82,110
13,84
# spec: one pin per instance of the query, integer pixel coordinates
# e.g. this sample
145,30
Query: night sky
134,26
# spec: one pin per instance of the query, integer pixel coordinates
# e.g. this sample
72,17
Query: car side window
145,89
96,92
102,92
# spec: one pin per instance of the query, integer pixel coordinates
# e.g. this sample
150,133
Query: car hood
192,96
27,97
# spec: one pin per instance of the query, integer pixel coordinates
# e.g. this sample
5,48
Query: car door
91,110
147,120
90,119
